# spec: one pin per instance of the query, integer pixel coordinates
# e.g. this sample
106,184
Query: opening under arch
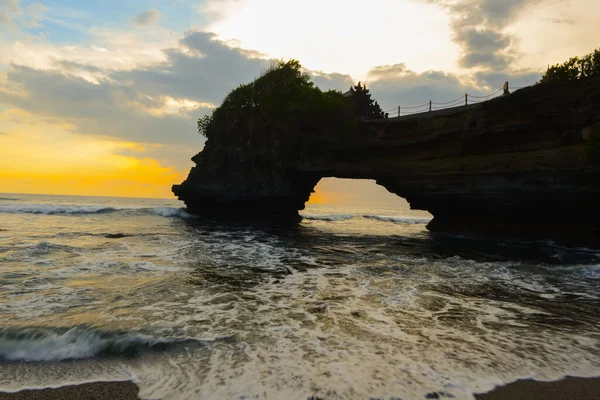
355,192
336,199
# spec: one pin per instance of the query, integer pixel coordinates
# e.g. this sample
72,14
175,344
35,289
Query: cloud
8,7
386,71
72,66
11,14
335,81
561,21
396,85
205,69
479,29
3,133
154,103
201,69
146,18
516,79
107,108
483,47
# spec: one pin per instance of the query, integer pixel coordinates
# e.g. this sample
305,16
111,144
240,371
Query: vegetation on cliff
283,101
362,103
573,69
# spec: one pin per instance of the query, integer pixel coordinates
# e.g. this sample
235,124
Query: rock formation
513,166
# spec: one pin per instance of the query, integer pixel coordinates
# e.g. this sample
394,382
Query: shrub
573,69
283,101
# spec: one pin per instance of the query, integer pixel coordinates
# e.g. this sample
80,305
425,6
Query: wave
50,209
172,212
71,209
59,344
382,218
399,220
328,217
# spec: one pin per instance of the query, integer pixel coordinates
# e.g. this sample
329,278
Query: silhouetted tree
284,99
575,68
362,103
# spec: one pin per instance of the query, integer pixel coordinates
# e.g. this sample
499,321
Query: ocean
351,303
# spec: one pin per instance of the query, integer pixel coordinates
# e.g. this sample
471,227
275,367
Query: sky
102,98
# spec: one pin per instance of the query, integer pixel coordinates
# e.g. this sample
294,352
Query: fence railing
467,99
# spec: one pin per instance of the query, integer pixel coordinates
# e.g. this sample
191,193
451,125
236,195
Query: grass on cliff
283,101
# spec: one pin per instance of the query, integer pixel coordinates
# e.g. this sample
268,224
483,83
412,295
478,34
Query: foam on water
70,209
348,333
381,218
326,217
172,212
398,220
51,209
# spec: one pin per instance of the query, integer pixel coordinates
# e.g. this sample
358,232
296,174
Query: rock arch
515,165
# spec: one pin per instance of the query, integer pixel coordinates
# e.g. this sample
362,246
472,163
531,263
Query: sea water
352,303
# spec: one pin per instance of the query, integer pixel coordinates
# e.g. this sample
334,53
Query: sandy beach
566,389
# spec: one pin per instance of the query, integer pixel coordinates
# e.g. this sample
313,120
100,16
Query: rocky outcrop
515,165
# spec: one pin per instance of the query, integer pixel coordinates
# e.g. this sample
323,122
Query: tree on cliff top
362,103
284,99
575,68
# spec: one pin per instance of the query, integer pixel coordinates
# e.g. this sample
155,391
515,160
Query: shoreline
569,388
565,389
115,390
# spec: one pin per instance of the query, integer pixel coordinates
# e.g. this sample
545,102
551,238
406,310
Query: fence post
430,105
398,110
466,99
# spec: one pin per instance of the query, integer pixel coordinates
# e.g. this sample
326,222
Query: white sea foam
171,212
344,333
328,217
73,209
46,344
382,218
50,209
399,220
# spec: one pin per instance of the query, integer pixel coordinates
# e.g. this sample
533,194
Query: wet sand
87,391
566,389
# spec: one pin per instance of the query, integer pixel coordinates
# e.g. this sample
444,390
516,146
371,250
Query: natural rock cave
515,166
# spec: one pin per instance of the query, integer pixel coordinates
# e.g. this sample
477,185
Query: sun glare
347,36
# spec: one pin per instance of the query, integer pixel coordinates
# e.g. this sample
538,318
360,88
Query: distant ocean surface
352,303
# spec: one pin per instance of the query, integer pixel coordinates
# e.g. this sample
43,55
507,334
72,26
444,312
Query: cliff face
513,166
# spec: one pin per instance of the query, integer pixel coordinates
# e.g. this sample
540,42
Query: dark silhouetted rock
115,236
511,167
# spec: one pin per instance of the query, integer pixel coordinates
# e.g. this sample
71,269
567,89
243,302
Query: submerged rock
115,236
